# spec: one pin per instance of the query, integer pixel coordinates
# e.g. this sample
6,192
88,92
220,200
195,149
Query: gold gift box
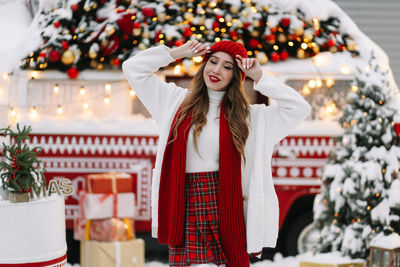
105,254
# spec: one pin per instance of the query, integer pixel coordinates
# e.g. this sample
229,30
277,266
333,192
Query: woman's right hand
191,48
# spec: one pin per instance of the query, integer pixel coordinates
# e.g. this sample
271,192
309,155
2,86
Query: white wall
380,21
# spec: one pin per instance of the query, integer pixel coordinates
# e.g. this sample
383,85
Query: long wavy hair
236,108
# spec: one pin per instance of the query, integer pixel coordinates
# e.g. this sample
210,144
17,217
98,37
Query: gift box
103,206
104,230
111,182
105,254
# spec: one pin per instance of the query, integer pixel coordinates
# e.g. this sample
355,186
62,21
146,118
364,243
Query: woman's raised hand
191,48
250,66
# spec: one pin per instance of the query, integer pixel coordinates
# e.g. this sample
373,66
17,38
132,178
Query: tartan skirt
202,241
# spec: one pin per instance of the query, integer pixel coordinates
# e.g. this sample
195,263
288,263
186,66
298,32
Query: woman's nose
217,68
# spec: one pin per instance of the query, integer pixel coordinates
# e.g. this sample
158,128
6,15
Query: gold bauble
169,37
234,10
68,57
299,31
92,54
161,17
104,42
351,46
333,49
239,24
308,37
256,23
142,46
93,64
300,53
265,8
262,58
137,31
109,30
188,16
282,38
100,66
254,33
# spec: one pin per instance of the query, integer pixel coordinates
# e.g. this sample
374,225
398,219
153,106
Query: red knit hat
229,47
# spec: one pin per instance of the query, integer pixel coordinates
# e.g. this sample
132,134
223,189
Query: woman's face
218,71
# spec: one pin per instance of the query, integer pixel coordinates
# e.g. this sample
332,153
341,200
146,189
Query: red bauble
148,12
187,32
253,43
317,33
397,128
246,25
72,72
75,7
284,55
157,37
271,37
285,22
331,43
126,24
136,25
56,24
54,56
233,34
111,47
116,62
64,45
273,29
275,56
215,25
340,47
42,54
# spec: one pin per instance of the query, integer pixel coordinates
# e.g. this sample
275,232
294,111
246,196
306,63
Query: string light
56,89
107,87
34,113
34,75
177,69
13,112
331,108
304,45
318,83
290,43
85,105
354,88
369,208
311,83
330,82
306,90
59,110
197,59
132,93
5,76
107,100
344,69
82,91
276,47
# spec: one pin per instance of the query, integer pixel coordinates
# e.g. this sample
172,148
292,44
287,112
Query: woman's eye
227,67
213,62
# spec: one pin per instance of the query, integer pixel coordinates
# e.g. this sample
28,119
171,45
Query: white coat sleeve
155,94
292,109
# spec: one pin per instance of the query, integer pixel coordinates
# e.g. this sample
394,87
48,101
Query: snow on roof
391,241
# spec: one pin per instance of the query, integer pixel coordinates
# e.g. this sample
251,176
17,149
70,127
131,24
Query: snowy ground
278,261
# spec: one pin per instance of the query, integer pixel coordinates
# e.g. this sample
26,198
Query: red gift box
111,182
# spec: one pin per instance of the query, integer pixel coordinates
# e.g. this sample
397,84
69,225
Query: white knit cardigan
268,125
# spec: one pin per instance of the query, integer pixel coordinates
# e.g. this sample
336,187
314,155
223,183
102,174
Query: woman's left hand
250,66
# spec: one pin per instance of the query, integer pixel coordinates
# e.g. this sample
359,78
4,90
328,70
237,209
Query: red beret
229,47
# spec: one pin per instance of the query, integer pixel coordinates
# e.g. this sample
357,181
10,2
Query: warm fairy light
197,59
59,110
5,76
107,100
276,47
377,195
13,112
107,87
318,82
56,89
290,43
320,60
304,45
34,75
34,113
344,69
330,108
217,39
132,93
86,105
311,83
82,91
369,208
177,69
354,88
330,82
306,90
380,119
336,214
365,114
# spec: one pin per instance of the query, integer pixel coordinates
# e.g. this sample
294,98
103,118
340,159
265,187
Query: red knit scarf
171,202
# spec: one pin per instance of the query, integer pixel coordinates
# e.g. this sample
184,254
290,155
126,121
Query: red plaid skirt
202,241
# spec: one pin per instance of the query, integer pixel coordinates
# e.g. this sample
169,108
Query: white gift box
109,205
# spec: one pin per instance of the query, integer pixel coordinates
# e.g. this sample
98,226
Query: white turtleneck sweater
208,141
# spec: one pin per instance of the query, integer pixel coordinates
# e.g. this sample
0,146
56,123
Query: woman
213,199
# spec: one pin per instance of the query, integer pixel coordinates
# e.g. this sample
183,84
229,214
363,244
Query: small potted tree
20,169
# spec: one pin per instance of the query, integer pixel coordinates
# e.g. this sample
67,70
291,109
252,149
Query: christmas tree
360,194
97,34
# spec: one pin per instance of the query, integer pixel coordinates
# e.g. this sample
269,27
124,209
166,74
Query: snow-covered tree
360,194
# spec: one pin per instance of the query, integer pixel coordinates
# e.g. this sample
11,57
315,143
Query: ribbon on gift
113,184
